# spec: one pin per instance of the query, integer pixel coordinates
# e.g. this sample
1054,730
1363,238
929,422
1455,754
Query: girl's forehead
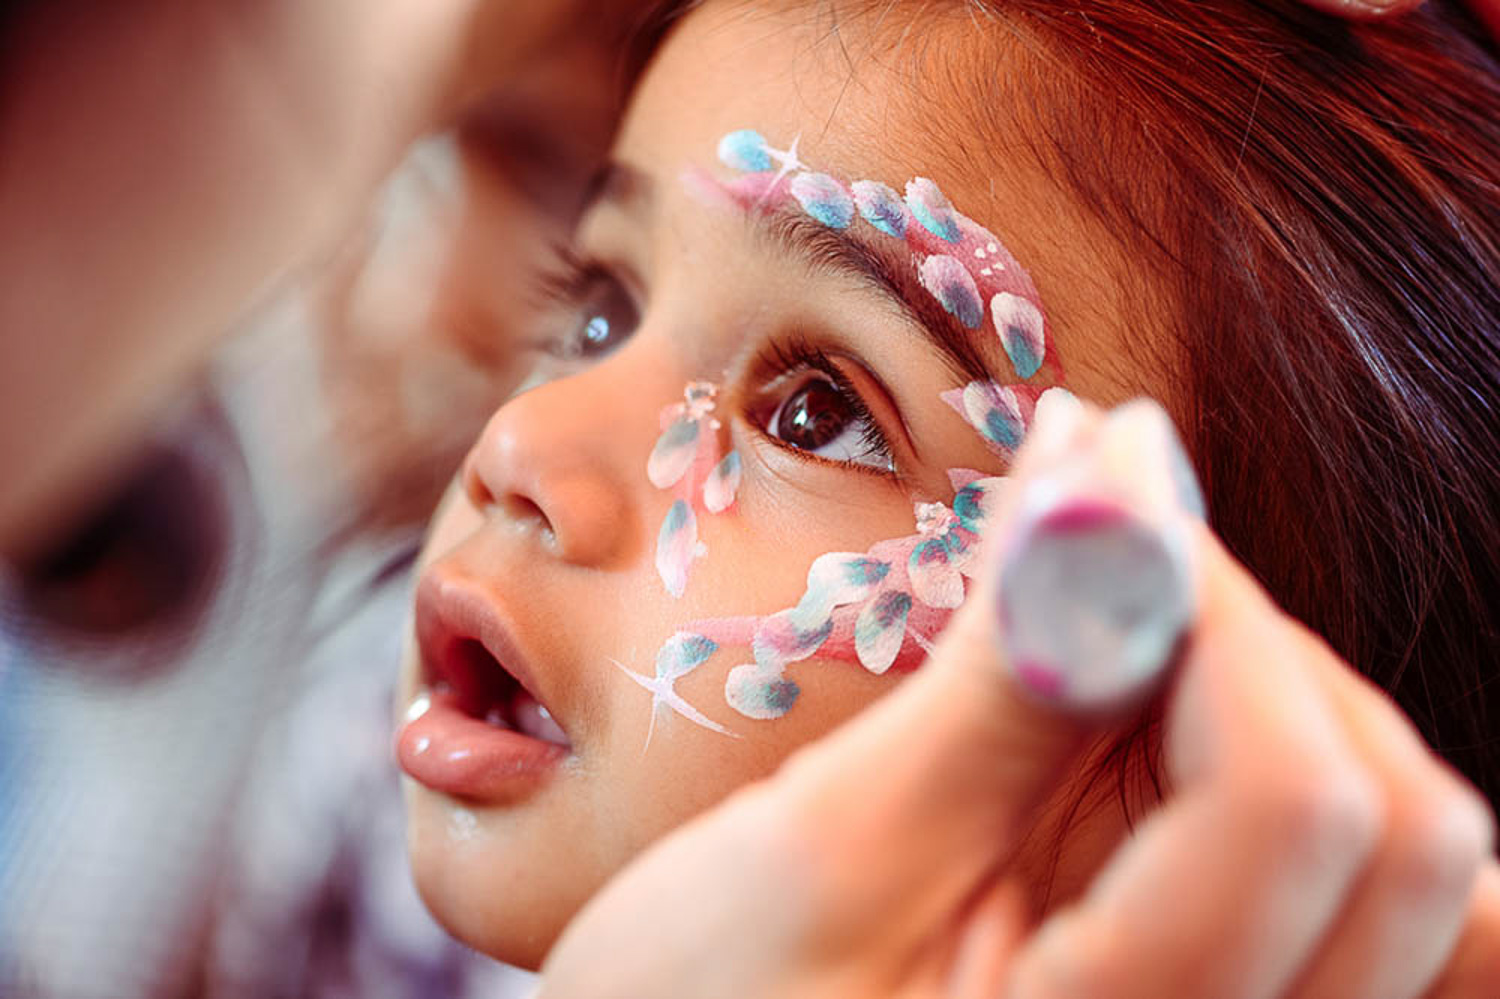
728,66
855,110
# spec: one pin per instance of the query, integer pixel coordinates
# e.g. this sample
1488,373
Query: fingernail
1096,578
1059,418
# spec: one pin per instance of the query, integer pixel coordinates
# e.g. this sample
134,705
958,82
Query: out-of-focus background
198,795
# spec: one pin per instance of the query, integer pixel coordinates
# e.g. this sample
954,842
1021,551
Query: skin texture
556,512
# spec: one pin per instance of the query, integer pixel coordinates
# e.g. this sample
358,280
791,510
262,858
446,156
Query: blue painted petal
975,503
759,693
683,653
881,629
931,207
676,547
745,150
1022,329
996,413
839,578
824,199
934,579
723,483
881,207
673,454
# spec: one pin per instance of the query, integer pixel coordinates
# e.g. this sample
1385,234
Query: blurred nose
556,462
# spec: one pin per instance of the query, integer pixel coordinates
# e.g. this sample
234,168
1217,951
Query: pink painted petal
759,692
722,484
676,547
934,580
782,638
673,454
881,207
960,477
1022,330
881,629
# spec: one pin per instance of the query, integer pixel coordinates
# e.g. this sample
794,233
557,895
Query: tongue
536,721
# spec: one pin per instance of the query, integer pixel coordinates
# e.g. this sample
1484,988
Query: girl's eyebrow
884,269
889,271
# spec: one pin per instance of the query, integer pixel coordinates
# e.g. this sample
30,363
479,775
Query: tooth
537,722
496,717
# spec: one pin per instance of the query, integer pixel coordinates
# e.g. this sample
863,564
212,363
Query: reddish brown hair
1325,199
1321,199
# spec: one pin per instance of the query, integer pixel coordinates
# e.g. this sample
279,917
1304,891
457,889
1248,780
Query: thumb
905,812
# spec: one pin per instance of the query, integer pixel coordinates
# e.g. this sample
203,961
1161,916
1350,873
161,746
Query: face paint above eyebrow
962,265
687,457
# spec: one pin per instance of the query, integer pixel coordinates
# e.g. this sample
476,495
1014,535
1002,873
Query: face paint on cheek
687,459
880,610
683,653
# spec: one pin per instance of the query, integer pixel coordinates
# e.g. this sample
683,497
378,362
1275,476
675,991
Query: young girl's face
603,533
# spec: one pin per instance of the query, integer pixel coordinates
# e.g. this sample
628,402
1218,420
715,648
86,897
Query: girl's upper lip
451,610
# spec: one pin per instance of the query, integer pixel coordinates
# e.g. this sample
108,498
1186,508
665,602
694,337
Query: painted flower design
880,609
687,458
959,262
876,608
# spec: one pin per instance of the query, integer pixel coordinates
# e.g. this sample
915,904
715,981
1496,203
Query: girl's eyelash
780,360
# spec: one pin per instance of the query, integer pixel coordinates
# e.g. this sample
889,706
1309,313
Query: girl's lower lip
446,750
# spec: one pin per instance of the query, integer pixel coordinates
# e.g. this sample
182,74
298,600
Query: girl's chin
499,880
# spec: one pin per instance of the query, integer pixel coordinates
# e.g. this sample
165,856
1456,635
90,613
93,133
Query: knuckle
1439,845
1323,815
1069,957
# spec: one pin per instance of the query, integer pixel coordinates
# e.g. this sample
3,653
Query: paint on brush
1097,583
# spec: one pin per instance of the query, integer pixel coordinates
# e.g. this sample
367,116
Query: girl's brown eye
813,416
820,417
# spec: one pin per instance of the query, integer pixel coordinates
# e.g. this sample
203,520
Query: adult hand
1311,845
165,162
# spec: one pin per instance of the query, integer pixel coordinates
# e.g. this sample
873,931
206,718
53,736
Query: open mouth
477,729
482,688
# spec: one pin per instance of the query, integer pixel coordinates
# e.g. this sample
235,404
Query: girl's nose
556,461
